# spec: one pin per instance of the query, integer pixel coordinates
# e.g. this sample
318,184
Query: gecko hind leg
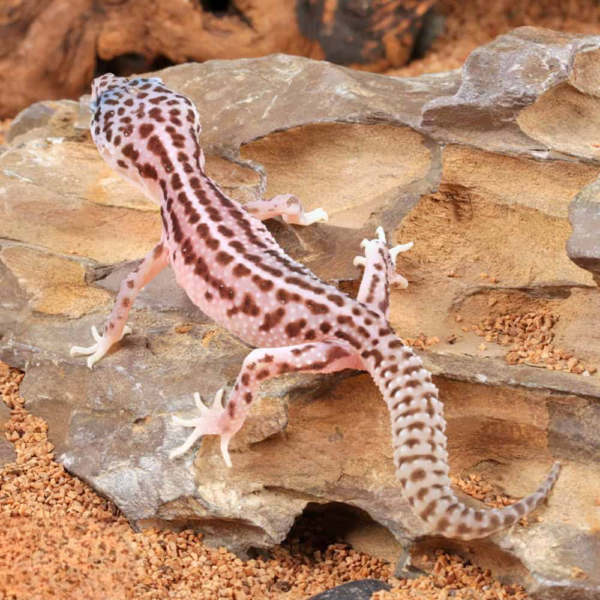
260,364
288,207
379,263
209,422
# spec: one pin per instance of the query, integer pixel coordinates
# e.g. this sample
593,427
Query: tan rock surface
489,213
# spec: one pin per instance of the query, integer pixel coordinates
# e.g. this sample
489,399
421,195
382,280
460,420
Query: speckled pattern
231,267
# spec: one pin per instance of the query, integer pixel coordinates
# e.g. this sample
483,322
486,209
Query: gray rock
42,119
354,590
583,246
7,450
463,164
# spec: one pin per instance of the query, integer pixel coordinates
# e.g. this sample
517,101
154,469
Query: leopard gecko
232,268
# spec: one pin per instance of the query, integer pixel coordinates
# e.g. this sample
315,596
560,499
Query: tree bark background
51,49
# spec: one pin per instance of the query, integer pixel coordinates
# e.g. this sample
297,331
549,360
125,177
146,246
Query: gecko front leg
286,206
227,420
115,328
379,262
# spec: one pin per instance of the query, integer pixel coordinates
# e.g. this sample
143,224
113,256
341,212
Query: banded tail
420,456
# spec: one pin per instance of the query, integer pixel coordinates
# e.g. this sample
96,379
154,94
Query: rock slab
463,164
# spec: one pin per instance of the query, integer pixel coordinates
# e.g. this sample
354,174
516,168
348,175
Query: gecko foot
314,216
99,349
381,241
210,422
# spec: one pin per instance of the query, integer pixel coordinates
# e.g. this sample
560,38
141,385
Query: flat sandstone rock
483,169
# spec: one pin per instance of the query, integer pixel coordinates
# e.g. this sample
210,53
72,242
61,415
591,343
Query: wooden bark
51,49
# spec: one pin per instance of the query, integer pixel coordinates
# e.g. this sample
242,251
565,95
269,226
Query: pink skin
231,267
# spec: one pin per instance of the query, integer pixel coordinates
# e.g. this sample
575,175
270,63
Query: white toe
359,261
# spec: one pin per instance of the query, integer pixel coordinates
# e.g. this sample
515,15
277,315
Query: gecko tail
455,520
420,456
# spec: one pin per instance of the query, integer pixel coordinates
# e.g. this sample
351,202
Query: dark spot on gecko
176,228
265,285
345,320
418,475
248,397
158,250
249,306
395,344
271,270
130,152
272,319
149,172
237,246
429,510
293,329
339,300
377,356
208,296
122,164
253,258
389,369
223,258
310,335
156,114
442,525
245,379
348,338
302,350
325,327
302,284
130,284
241,270
225,231
411,369
146,129
125,302
316,308
213,243
201,269
157,100
262,374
